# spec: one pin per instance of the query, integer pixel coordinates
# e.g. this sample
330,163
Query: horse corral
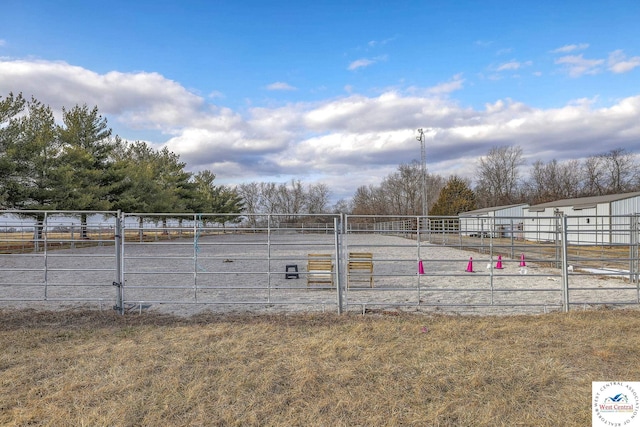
192,265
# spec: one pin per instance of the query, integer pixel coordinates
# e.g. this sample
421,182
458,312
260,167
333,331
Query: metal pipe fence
58,257
185,263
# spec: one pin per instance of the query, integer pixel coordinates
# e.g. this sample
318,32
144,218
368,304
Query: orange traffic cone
499,263
470,266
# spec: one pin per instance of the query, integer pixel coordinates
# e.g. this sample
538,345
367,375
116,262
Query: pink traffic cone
420,267
522,263
499,263
470,266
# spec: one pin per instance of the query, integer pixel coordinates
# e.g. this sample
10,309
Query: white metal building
499,221
590,220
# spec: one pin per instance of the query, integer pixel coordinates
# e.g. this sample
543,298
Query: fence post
118,243
564,264
560,237
42,236
633,249
337,227
636,262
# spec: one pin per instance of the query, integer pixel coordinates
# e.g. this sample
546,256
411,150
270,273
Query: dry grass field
92,368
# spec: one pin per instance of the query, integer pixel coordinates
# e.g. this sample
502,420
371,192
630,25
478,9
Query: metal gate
248,262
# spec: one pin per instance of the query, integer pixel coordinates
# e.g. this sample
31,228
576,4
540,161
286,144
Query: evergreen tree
85,175
139,162
35,158
215,198
10,128
176,191
456,197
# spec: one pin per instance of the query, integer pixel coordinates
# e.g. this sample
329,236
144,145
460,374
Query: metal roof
584,202
493,209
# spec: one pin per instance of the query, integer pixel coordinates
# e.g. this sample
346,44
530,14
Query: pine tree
85,176
455,197
10,128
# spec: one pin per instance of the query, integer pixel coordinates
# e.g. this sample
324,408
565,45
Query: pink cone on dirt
499,263
470,266
522,263
420,267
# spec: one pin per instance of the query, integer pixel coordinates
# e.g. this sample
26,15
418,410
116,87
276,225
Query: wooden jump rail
360,268
320,270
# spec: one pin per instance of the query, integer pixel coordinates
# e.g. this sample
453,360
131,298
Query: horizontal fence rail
185,263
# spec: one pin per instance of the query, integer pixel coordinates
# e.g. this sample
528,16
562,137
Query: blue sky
331,91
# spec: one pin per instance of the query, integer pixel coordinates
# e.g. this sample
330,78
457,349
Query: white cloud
216,94
375,43
360,63
365,62
619,63
140,99
280,86
513,65
444,88
571,48
346,141
389,111
577,65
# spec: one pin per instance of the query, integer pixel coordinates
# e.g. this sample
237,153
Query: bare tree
400,193
609,173
269,198
570,180
290,198
498,175
368,200
317,198
250,194
593,176
552,181
404,190
343,206
620,169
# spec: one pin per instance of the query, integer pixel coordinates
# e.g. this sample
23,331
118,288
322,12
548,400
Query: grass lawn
93,368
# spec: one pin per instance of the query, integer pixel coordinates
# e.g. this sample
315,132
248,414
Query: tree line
500,180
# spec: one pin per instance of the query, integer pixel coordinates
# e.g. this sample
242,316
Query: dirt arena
246,272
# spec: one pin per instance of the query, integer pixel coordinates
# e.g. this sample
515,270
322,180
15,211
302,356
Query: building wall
603,224
499,223
625,214
540,226
606,223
